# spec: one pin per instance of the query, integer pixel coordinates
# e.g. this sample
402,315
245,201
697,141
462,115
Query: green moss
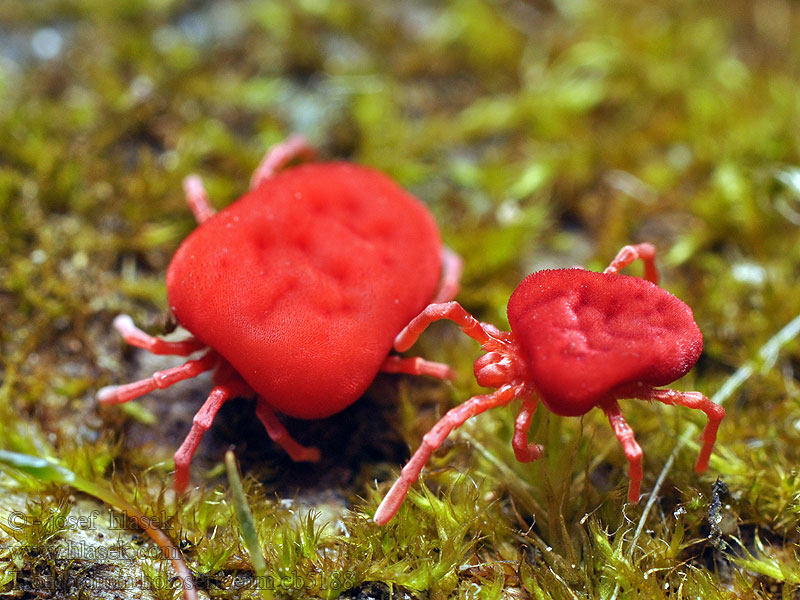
541,134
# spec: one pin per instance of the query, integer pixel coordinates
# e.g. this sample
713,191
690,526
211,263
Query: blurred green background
541,134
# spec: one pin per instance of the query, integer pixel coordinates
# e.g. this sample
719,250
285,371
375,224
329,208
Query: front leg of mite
417,366
432,440
118,394
134,336
452,267
435,312
524,451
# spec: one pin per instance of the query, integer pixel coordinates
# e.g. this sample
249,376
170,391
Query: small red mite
578,339
295,292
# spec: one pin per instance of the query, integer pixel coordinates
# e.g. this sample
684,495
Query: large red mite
295,293
578,339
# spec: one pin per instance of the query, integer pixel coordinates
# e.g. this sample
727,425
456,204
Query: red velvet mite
578,339
294,293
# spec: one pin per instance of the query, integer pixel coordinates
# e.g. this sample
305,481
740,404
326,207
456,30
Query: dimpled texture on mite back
303,283
584,333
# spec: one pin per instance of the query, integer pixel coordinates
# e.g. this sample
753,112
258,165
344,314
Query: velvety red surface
584,333
303,283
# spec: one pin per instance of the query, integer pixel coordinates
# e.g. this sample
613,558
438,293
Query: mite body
295,293
578,340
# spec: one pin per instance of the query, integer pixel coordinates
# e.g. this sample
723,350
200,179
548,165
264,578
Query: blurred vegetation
541,133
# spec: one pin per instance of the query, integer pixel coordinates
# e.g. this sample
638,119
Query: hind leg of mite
278,434
633,452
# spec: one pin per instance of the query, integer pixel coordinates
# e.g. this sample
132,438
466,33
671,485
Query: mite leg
633,452
417,366
200,424
197,198
434,312
117,394
452,268
277,157
524,451
455,417
628,254
696,400
278,434
134,336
